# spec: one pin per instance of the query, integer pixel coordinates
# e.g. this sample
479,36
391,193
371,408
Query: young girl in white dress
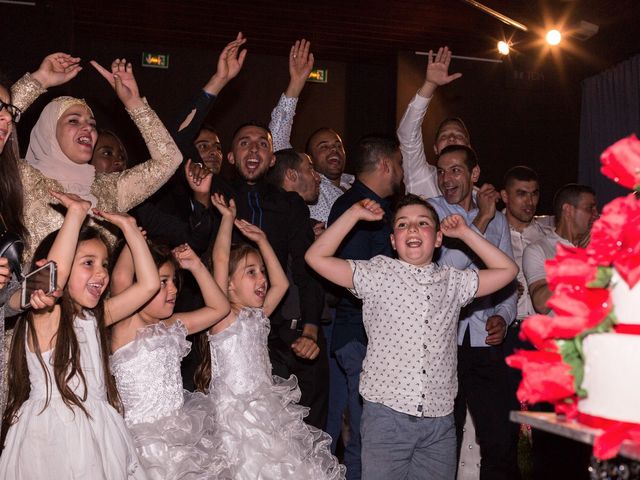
60,420
173,429
257,414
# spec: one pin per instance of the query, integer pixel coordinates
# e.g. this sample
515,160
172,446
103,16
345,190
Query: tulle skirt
265,437
59,442
183,445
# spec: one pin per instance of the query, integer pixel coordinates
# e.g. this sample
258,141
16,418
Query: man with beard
326,150
482,385
378,167
420,177
284,217
293,172
575,209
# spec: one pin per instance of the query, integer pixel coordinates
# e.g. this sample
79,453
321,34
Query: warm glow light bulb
503,48
553,37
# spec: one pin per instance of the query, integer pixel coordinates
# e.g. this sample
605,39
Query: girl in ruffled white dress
173,429
257,414
60,421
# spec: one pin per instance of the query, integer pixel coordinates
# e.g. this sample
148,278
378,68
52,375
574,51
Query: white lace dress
173,429
57,442
257,414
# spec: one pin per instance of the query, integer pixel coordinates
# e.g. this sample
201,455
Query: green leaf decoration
603,277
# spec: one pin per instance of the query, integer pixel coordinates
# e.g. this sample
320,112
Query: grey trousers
397,446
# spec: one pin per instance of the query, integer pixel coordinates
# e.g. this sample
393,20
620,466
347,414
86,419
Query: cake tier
625,300
611,377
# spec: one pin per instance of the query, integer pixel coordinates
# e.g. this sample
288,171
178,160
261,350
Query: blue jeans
337,392
400,446
350,359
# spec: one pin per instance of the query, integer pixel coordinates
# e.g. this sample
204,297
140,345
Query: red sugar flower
545,377
571,265
621,162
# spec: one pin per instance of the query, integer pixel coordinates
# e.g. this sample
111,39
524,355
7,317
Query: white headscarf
45,154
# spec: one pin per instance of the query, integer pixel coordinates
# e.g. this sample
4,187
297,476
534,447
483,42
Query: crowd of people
251,325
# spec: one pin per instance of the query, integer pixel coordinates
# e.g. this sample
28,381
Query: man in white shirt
575,209
326,150
420,177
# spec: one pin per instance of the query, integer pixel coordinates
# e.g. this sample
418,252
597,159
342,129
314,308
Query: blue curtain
610,111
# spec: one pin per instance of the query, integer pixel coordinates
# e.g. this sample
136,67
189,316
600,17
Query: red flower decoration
629,269
621,162
540,330
592,304
568,408
615,238
571,265
545,377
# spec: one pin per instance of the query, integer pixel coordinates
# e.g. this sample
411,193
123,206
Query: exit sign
318,75
155,60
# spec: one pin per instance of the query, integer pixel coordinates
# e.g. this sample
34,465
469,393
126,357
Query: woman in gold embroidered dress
62,142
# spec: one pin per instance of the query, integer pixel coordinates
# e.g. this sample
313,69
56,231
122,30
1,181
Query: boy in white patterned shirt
410,311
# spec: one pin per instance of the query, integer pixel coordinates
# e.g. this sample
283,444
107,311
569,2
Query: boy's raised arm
320,255
501,269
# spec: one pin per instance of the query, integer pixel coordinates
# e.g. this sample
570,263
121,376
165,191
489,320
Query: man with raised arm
482,375
420,177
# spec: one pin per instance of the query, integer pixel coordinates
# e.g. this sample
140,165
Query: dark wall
357,98
516,114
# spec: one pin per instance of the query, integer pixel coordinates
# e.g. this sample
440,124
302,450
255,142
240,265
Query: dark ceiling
372,31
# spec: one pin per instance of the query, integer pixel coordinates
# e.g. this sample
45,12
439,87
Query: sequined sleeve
136,184
25,91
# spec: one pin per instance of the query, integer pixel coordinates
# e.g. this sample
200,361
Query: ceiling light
553,37
503,47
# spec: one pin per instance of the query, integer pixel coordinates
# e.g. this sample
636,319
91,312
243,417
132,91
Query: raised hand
487,198
225,210
199,177
250,231
300,66
185,256
72,202
453,226
121,220
122,80
230,63
56,69
368,210
437,73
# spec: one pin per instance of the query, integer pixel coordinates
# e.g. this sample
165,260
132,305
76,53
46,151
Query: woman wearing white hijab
61,147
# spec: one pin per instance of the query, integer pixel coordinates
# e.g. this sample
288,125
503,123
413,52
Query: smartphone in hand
43,278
